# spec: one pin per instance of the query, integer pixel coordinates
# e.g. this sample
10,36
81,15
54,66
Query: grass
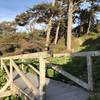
77,66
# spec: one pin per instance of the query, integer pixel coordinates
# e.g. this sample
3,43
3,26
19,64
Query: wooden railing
87,85
9,89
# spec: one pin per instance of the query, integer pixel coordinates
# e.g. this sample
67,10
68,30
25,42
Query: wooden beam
5,86
61,54
26,80
5,67
34,69
42,78
11,76
1,64
90,73
69,76
28,56
89,53
78,54
20,90
5,94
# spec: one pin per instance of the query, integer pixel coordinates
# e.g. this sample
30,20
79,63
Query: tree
58,17
94,8
69,26
49,27
41,13
59,21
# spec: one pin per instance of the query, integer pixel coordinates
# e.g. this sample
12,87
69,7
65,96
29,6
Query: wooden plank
78,54
68,75
34,69
20,90
61,54
11,76
28,56
1,64
5,94
26,80
42,78
5,86
5,67
90,74
89,53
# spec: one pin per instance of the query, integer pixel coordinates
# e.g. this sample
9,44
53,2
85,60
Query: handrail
80,54
68,75
46,54
26,80
89,53
41,72
34,69
28,56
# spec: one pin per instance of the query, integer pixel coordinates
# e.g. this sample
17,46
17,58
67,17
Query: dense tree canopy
61,16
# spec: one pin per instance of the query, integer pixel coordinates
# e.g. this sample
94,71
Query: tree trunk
81,25
89,23
69,27
49,28
91,17
57,30
48,32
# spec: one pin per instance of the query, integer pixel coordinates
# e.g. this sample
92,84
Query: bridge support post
11,75
90,73
42,78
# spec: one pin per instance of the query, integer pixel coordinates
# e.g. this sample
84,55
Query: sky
10,8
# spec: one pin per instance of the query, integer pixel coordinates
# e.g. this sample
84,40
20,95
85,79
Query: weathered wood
5,67
22,65
89,70
1,64
68,75
5,94
5,86
42,78
78,54
34,69
19,91
29,98
26,80
11,76
28,56
61,54
89,53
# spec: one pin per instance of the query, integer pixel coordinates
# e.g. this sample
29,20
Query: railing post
11,76
22,65
90,73
1,64
42,78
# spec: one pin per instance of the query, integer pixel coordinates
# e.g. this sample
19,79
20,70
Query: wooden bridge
35,86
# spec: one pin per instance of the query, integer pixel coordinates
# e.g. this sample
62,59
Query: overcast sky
10,8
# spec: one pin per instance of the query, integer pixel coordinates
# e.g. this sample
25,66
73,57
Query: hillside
21,43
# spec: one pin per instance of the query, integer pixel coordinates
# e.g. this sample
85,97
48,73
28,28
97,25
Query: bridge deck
55,90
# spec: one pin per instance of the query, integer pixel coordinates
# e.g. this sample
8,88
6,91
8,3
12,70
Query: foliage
7,27
19,43
2,79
